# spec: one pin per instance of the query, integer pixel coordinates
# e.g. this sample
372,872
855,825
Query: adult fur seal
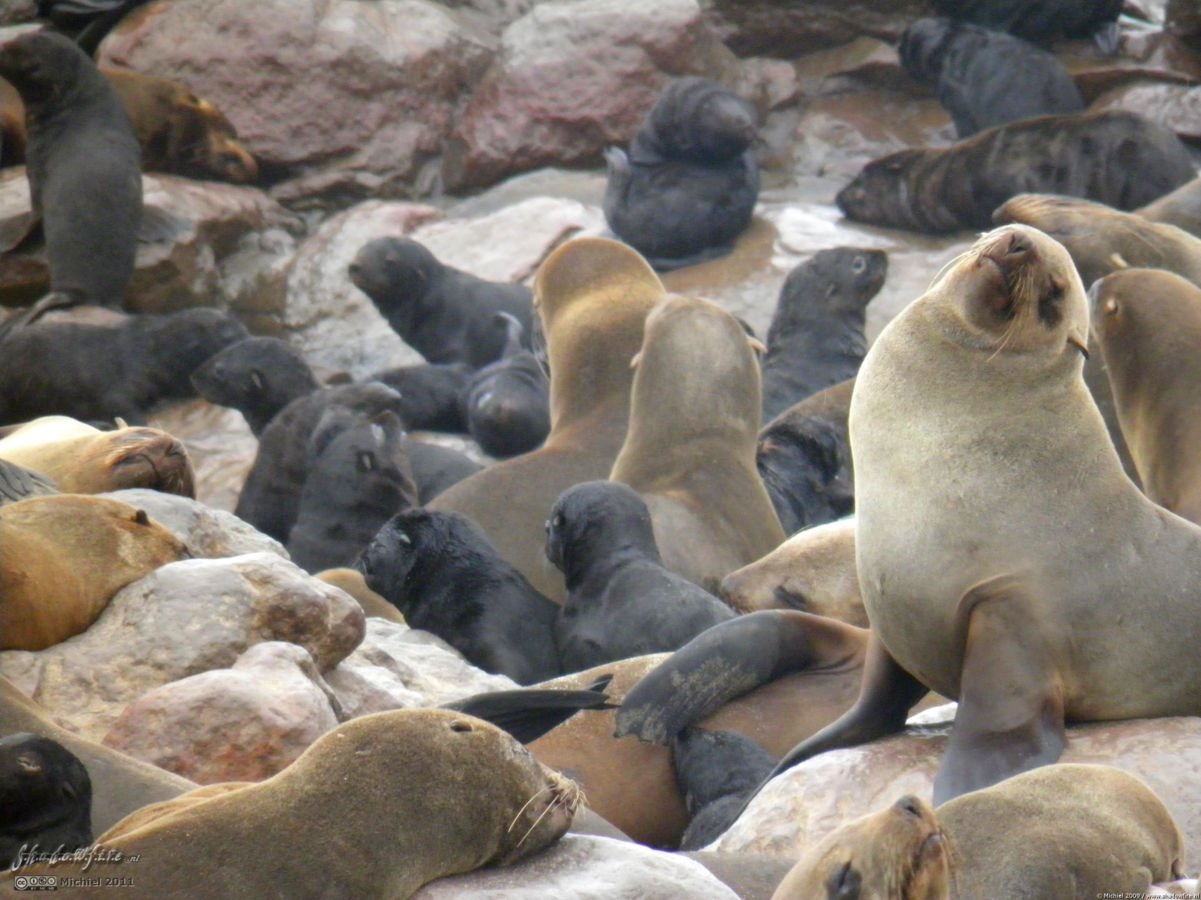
985,77
63,557
441,572
621,601
441,312
592,296
816,339
1116,157
389,802
689,184
46,796
982,375
121,370
84,168
507,403
1148,324
690,449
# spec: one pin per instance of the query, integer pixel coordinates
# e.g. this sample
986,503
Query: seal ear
141,518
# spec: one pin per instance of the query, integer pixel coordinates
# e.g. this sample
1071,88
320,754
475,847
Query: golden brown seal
351,581
592,296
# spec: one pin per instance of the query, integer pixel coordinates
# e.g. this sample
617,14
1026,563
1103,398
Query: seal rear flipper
529,714
1011,703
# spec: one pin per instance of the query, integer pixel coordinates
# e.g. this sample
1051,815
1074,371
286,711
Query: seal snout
1009,251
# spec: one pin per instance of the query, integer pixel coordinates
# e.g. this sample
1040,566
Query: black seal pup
441,312
507,403
688,186
984,77
84,165
431,394
816,339
1040,20
46,798
442,573
621,601
716,772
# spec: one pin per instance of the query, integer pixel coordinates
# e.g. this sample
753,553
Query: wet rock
220,446
244,723
208,533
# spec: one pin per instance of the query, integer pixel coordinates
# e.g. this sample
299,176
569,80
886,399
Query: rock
581,867
220,446
574,76
392,74
182,619
1175,106
208,533
800,807
244,723
14,12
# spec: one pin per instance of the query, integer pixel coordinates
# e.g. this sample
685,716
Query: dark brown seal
46,796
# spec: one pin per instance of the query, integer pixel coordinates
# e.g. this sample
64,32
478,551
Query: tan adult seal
592,296
1148,325
1004,557
690,450
85,460
62,557
375,808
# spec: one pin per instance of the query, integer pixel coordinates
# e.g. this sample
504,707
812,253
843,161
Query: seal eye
1048,305
790,599
844,883
858,264
404,538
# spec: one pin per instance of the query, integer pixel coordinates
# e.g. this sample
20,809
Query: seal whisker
526,806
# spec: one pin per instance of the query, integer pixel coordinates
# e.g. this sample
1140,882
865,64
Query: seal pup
690,450
431,395
1147,323
689,184
441,572
388,802
507,403
816,338
804,459
441,312
984,77
62,558
86,21
621,601
98,372
1113,156
84,167
715,770
592,297
46,796
1040,20
983,375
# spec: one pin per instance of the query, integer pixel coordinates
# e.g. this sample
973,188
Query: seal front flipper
529,713
1011,703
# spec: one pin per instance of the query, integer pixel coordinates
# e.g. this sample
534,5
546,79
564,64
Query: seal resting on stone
816,339
592,297
1116,157
62,558
690,450
507,403
46,796
389,801
971,401
689,184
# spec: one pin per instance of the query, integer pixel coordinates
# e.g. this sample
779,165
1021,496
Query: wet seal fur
983,377
1116,157
689,184
390,801
46,796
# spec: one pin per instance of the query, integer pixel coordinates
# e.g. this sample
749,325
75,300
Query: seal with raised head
1113,156
388,802
46,796
972,400
507,403
621,600
592,296
816,338
1148,325
690,450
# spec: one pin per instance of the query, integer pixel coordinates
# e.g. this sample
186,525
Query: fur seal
352,581
62,558
441,572
19,483
85,460
804,459
97,372
1116,157
507,403
84,168
1035,20
355,484
690,449
621,601
816,338
441,312
716,770
1148,324
431,395
389,801
689,184
1181,207
46,796
529,713
437,469
592,297
983,375
984,77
